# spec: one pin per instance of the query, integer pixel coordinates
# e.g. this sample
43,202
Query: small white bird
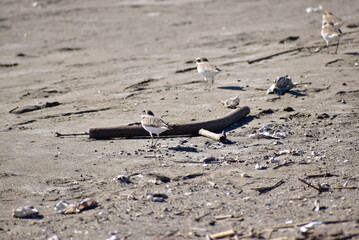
206,69
153,124
331,33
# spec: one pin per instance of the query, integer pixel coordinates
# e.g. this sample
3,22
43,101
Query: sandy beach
69,66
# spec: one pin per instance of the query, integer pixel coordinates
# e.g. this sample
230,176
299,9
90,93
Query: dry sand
106,61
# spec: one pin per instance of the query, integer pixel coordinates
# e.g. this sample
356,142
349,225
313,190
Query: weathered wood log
220,137
177,129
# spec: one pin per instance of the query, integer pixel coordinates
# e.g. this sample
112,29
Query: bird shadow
298,94
234,88
352,53
183,149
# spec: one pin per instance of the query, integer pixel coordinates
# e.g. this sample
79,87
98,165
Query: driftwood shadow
183,149
298,94
234,88
240,123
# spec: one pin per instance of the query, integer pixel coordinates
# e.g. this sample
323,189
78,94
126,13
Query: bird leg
151,139
158,137
337,47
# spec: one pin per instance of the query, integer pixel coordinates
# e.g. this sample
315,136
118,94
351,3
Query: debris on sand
228,233
263,132
260,167
314,9
266,135
158,197
26,212
54,237
113,237
67,208
281,85
232,102
122,179
311,225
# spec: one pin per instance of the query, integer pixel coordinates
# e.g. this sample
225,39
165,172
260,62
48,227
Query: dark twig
321,175
334,61
266,189
57,134
319,189
275,54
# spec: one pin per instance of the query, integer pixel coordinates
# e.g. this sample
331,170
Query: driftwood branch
177,129
220,137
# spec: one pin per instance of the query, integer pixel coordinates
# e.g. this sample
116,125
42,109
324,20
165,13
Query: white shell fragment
63,206
26,212
113,237
261,167
281,85
157,197
67,208
55,237
259,135
122,178
314,9
232,102
309,226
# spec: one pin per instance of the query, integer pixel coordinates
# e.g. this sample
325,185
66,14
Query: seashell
209,159
264,128
113,237
123,178
281,85
260,167
26,212
65,207
274,160
232,102
244,175
156,197
266,135
88,203
325,186
55,237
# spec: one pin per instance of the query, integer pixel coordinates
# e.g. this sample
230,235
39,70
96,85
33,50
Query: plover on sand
153,125
331,33
206,69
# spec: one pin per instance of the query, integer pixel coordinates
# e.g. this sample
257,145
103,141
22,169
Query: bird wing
208,67
153,121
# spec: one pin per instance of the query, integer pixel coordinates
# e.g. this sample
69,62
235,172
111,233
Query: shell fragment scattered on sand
281,85
67,208
26,212
231,103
